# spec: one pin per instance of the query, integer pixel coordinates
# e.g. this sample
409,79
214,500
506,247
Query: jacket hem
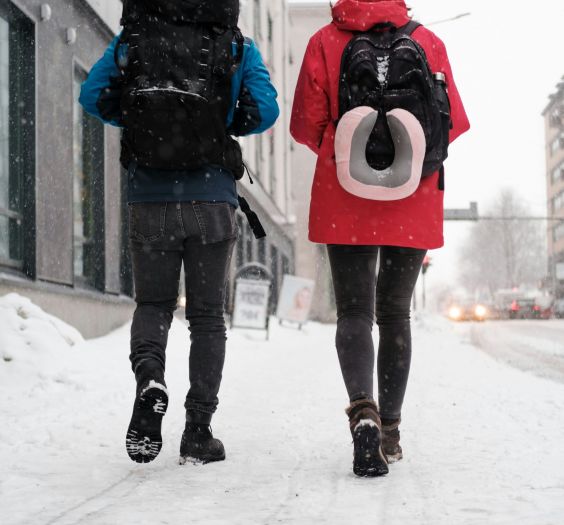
320,239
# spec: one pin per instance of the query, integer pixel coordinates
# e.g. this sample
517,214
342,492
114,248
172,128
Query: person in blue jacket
181,213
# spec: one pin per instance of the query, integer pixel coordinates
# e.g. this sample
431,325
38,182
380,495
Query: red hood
360,15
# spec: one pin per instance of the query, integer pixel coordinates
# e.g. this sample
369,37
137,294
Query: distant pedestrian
377,191
181,80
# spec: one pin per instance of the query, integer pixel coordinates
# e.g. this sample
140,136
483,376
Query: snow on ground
482,441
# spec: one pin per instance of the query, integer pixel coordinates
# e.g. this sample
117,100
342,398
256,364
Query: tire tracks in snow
90,499
89,507
517,352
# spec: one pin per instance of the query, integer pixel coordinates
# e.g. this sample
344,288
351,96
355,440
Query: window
248,243
270,38
557,144
558,202
558,173
258,155
273,181
558,232
88,193
285,265
240,254
257,28
126,269
17,139
261,249
274,265
555,118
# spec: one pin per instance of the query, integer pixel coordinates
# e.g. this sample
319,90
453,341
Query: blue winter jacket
253,110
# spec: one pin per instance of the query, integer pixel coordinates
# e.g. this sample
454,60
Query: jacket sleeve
255,108
311,109
100,93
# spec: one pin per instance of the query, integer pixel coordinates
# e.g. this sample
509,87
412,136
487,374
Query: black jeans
359,296
162,237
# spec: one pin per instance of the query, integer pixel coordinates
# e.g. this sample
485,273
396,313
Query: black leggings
354,281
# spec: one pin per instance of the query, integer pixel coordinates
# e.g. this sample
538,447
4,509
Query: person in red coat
355,230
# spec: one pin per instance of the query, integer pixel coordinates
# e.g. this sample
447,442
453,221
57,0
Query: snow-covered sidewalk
482,442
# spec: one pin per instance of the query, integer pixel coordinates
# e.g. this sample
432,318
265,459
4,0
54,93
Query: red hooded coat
338,217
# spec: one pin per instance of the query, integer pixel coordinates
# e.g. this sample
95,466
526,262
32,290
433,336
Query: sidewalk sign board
251,298
295,299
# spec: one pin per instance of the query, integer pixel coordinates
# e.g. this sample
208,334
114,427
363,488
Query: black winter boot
199,446
364,420
391,439
143,440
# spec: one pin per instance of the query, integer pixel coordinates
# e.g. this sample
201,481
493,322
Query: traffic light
426,264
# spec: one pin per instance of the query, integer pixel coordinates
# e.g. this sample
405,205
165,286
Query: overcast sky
507,58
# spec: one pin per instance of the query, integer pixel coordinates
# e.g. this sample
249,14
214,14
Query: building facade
61,240
267,155
63,237
311,259
554,133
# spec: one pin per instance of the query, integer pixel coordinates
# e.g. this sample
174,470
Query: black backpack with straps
176,67
385,68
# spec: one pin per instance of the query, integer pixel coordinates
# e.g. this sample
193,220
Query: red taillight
514,306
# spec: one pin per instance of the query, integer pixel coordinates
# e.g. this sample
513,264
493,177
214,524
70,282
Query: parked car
528,308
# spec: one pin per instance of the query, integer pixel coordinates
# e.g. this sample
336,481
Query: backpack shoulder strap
240,41
409,28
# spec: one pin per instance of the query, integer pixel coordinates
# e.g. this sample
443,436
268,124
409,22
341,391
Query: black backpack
384,68
176,83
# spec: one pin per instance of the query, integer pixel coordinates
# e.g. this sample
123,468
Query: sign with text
295,299
251,303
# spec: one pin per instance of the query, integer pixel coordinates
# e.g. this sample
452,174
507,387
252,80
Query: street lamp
452,18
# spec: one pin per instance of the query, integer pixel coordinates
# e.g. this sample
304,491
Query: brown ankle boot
391,439
366,429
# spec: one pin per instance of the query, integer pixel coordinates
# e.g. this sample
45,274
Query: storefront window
16,133
88,192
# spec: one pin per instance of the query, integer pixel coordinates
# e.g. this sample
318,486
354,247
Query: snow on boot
364,420
199,446
391,439
143,441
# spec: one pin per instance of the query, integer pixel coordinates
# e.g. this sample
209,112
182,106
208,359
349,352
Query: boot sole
369,460
143,441
199,461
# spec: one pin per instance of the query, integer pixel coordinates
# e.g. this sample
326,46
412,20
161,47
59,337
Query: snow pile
31,340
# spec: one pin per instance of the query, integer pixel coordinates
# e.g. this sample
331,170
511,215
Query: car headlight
455,313
480,311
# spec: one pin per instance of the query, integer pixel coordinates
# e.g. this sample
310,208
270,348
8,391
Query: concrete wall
109,11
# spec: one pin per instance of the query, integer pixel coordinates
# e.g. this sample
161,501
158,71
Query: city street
533,346
482,440
275,162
